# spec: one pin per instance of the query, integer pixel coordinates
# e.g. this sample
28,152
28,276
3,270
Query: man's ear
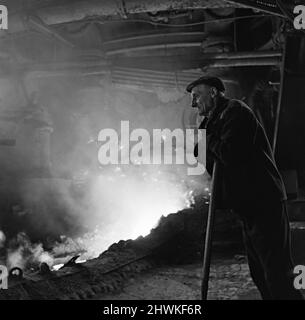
213,92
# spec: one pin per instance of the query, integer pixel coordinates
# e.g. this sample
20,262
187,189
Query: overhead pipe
217,55
142,43
90,70
259,56
153,39
176,63
156,47
131,66
243,55
249,62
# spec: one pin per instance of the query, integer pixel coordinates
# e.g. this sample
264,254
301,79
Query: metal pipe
147,75
154,39
243,55
280,96
97,68
156,46
183,77
250,62
177,63
231,59
138,67
132,78
218,55
149,83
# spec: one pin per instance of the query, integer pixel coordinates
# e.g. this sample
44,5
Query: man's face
202,99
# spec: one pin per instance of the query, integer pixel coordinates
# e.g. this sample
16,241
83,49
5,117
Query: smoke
82,207
23,254
127,201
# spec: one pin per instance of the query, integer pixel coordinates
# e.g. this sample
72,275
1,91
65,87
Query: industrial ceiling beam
268,6
82,10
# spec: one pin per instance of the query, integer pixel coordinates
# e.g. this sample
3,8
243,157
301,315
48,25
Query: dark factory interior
72,227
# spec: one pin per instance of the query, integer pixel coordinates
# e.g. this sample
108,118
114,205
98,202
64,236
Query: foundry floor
230,279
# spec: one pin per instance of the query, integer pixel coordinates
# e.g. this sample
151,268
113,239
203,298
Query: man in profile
250,184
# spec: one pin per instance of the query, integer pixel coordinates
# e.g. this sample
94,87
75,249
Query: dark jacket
248,173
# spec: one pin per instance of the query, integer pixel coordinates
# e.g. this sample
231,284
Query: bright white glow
80,261
135,204
128,204
57,266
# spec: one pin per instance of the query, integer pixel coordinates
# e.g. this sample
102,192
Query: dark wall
290,150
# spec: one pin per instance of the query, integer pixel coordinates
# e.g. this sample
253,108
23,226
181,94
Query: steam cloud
82,207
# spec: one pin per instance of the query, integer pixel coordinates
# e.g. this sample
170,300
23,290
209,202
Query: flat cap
209,81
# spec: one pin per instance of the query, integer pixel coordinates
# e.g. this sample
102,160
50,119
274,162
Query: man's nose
194,103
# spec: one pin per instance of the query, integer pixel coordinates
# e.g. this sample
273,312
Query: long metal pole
280,97
209,234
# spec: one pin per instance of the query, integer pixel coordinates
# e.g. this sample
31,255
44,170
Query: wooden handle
209,234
